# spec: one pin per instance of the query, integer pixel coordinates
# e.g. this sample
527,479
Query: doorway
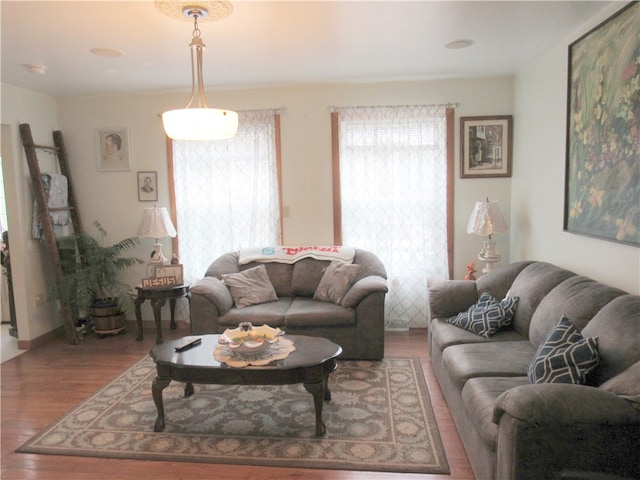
9,331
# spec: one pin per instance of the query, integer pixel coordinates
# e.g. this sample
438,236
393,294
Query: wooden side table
158,297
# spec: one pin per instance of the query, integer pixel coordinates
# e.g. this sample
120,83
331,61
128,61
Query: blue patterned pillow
487,315
564,357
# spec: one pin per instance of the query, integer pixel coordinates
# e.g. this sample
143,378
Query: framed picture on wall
113,148
602,198
147,186
486,146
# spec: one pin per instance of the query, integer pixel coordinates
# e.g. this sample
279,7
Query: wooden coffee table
310,364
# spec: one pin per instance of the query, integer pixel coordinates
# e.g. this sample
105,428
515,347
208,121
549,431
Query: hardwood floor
42,384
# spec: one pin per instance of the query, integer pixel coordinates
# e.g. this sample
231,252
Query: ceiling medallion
216,10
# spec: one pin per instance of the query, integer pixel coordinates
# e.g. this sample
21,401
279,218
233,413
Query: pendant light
197,121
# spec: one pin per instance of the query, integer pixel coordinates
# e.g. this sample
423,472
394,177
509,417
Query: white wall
537,196
111,197
532,199
29,263
306,150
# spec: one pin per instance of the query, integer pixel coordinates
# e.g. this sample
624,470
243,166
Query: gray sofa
513,429
356,323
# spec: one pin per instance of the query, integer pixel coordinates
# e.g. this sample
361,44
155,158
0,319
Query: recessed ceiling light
36,69
107,52
457,44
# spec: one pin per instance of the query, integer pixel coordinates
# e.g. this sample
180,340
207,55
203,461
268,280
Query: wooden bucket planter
107,318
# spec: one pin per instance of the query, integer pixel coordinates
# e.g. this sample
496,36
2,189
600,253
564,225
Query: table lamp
156,223
486,219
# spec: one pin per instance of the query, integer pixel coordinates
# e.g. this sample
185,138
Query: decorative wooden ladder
51,244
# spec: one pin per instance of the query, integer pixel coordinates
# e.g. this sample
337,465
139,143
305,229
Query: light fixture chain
196,29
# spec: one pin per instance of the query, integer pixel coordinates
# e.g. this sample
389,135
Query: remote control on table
189,344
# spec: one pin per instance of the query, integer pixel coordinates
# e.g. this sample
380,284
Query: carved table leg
157,310
188,389
327,369
139,301
317,390
172,309
158,385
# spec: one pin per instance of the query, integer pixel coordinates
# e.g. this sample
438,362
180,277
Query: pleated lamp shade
486,219
156,223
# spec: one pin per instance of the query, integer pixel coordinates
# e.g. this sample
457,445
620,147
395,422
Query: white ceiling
266,43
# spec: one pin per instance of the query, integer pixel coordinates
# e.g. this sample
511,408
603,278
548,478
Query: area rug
379,419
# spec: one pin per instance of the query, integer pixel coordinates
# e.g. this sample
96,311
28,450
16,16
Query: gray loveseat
356,323
513,429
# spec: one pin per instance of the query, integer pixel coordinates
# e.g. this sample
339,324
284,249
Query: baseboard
42,339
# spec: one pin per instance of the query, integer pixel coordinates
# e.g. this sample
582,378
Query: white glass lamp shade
156,223
200,124
486,219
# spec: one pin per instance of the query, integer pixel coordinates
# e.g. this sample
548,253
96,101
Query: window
392,177
227,193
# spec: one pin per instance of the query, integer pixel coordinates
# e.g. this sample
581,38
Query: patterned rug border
44,442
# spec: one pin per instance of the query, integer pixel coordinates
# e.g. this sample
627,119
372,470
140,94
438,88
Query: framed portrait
113,148
147,186
602,174
486,146
164,271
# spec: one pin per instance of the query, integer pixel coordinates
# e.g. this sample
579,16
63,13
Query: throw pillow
564,357
336,281
487,315
250,287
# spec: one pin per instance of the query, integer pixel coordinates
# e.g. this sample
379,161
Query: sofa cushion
215,291
564,357
444,334
533,283
626,384
488,359
479,397
487,316
499,280
336,280
305,312
370,265
578,298
280,275
616,326
271,314
362,289
306,276
227,263
250,287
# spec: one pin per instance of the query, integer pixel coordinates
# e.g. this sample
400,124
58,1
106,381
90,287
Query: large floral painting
602,195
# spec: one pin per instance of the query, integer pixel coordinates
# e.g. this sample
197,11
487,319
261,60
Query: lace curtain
227,193
393,189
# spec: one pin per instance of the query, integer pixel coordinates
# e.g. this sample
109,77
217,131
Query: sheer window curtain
393,194
226,192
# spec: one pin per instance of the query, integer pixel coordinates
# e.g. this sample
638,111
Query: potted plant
92,284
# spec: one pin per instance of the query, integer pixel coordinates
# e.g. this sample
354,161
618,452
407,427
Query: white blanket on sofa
293,254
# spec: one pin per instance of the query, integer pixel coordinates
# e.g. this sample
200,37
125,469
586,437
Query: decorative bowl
249,339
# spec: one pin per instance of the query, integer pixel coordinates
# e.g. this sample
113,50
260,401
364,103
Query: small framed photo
164,271
113,147
486,146
147,186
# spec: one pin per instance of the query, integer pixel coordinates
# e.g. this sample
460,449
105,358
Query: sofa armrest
215,291
362,288
557,404
449,297
546,428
